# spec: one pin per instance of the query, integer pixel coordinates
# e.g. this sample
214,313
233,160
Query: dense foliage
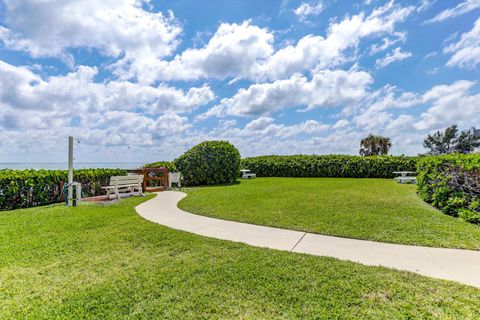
169,165
375,146
452,184
29,188
451,140
210,162
329,166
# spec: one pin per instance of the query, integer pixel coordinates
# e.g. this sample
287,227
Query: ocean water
64,166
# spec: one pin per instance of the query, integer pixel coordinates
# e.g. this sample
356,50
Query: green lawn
106,262
374,209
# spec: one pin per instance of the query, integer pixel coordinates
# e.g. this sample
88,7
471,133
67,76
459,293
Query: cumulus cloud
117,28
306,9
327,88
466,52
312,51
462,8
77,91
450,104
111,113
246,51
234,50
396,55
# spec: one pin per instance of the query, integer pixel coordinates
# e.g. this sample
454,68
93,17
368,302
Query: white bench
174,177
246,174
125,186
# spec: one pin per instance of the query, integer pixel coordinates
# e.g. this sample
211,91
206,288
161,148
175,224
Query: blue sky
145,80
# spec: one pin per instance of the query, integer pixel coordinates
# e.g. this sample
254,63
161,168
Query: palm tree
375,145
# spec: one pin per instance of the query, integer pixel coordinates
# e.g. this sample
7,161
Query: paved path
451,264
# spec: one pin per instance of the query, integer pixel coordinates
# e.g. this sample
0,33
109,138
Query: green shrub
29,188
329,166
452,184
169,165
210,162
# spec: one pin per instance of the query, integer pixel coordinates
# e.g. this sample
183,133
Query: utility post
70,171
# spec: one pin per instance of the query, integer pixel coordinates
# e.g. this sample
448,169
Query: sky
139,80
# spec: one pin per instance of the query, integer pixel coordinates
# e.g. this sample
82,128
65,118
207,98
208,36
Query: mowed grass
373,209
95,262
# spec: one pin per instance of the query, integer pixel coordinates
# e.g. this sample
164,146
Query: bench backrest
123,180
174,177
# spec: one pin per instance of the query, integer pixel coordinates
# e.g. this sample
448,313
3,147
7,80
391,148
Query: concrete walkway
451,264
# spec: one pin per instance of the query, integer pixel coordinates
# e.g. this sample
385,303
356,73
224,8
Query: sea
64,166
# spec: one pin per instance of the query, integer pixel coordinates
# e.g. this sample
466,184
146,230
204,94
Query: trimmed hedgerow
452,184
329,166
210,162
169,165
30,188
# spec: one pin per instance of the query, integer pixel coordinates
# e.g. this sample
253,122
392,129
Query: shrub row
170,166
210,162
29,188
452,184
329,166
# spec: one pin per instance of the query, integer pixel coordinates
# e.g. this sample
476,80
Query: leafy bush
210,162
452,184
170,166
329,166
29,188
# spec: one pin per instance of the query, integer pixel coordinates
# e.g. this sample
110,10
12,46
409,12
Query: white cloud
462,8
396,55
326,89
450,104
234,50
306,9
466,52
312,51
117,28
245,51
388,42
115,113
341,124
425,5
77,92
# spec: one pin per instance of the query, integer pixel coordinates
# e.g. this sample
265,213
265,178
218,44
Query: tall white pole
70,171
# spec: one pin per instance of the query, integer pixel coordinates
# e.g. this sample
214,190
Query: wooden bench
125,186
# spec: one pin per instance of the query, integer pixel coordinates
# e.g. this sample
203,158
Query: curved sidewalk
451,264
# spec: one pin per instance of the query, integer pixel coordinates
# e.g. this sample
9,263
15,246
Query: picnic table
404,177
246,174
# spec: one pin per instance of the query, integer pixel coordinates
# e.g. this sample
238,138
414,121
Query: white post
70,171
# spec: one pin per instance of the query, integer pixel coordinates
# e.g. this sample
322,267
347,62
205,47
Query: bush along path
452,184
449,264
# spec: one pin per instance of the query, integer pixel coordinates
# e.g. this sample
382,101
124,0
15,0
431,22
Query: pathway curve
451,264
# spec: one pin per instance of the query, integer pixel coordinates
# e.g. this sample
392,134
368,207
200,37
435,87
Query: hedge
29,188
208,163
329,166
170,166
452,184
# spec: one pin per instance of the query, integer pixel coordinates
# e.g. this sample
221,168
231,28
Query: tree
450,141
375,145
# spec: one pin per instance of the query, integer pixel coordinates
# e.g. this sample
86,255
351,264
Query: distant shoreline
63,165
